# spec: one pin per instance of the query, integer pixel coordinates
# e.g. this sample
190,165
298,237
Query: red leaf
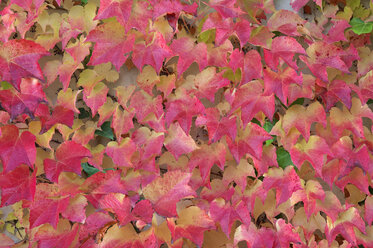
286,182
223,26
164,192
19,59
68,158
16,150
178,142
250,140
286,21
112,44
262,237
24,102
120,9
188,53
17,185
286,234
118,204
217,125
121,153
250,64
105,183
152,54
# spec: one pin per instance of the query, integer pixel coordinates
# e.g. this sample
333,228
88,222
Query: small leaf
90,170
283,158
105,131
361,27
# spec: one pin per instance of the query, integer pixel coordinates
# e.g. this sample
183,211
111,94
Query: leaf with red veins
302,118
345,225
19,59
287,22
243,30
119,205
188,53
278,82
24,101
144,104
122,152
223,26
335,91
47,206
112,44
121,9
250,64
191,224
68,158
369,210
356,177
75,211
182,107
143,211
286,182
336,32
17,185
330,171
205,157
148,142
251,99
238,173
105,183
16,149
162,7
178,142
262,237
206,83
269,158
312,151
248,141
286,47
287,234
306,90
152,54
217,125
61,237
164,192
322,55
122,122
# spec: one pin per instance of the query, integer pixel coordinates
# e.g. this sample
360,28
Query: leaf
164,192
19,180
105,131
120,9
178,142
19,59
68,158
360,27
112,44
121,153
283,157
16,149
90,170
191,224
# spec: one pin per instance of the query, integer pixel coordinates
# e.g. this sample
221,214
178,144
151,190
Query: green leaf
268,127
5,85
105,131
89,169
283,158
360,27
299,101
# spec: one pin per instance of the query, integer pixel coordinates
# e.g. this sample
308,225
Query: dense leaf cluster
148,123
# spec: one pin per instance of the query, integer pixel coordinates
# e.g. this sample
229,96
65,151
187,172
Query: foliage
141,123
